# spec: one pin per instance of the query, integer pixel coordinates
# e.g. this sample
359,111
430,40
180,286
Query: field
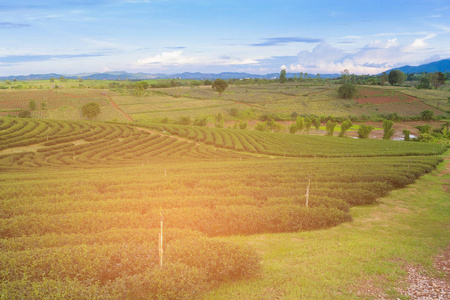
251,101
247,214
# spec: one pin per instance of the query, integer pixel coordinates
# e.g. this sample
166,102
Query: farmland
251,101
81,201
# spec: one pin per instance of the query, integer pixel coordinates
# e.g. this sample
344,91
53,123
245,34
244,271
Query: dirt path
114,104
419,284
171,136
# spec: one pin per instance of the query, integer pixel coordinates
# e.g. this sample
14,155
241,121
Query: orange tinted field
378,96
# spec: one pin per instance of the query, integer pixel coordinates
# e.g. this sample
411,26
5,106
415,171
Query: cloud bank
375,57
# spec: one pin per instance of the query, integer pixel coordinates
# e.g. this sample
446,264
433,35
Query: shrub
406,134
344,127
330,128
24,114
347,91
261,126
388,130
293,128
427,115
364,131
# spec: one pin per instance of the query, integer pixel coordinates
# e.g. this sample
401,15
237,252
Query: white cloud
168,58
176,58
379,44
375,57
419,43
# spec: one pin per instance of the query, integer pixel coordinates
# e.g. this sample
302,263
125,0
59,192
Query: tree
427,115
383,78
388,130
91,110
316,122
283,76
300,123
219,85
344,127
32,105
330,128
437,79
308,124
140,87
364,131
406,134
396,77
424,83
293,128
345,76
347,91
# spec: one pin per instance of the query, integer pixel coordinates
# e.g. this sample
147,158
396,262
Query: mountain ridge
442,65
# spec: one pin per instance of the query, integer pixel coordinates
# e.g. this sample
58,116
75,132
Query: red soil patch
378,96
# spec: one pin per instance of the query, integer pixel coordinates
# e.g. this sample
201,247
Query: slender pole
307,191
161,243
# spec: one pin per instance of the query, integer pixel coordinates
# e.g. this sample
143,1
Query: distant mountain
142,76
437,66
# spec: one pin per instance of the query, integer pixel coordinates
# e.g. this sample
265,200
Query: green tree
91,110
293,128
437,79
283,76
261,126
364,131
32,105
388,130
308,124
427,115
383,78
344,127
424,83
345,75
330,128
219,85
396,77
316,122
184,120
140,87
347,91
300,123
406,134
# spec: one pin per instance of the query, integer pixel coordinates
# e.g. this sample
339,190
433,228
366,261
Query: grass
353,260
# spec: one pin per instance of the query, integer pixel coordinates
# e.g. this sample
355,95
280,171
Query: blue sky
259,37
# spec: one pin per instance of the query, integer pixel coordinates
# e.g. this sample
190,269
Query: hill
121,75
437,66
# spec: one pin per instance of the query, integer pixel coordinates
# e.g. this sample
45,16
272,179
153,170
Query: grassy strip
358,260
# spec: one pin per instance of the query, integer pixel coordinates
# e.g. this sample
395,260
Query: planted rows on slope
48,142
295,145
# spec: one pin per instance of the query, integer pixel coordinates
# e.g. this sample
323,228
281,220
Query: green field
250,100
81,202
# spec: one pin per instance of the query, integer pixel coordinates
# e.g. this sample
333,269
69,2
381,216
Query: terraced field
81,202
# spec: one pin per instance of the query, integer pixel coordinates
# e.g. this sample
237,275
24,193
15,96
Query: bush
24,114
388,130
347,91
364,131
344,127
330,128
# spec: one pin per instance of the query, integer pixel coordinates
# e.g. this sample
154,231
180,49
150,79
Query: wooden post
160,243
307,191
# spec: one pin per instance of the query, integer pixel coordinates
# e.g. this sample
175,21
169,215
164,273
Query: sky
252,36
